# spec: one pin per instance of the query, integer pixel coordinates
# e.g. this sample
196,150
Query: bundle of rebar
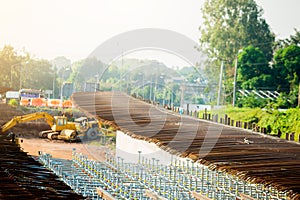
22,177
250,156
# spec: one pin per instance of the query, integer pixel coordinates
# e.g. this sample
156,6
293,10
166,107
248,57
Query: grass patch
276,122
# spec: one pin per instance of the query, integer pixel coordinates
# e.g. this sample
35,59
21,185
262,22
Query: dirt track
60,149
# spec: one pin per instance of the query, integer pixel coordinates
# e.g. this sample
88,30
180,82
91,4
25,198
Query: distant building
90,87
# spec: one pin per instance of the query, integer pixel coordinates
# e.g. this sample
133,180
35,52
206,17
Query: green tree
287,69
251,101
287,65
212,71
18,69
38,74
10,64
293,40
85,71
60,62
253,70
231,25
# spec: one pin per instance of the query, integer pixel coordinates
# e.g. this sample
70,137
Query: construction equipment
88,129
61,129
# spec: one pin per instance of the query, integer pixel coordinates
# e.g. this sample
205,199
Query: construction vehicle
61,129
89,129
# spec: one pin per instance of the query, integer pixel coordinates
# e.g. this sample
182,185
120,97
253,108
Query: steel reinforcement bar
182,179
247,155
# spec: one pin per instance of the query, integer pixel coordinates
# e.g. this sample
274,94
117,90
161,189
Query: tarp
38,102
67,104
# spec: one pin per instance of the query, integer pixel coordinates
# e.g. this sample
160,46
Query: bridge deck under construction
249,156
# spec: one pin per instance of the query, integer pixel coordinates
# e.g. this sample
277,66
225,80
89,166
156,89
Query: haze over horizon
48,29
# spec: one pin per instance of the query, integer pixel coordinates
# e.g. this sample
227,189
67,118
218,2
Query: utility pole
143,87
220,84
234,81
20,77
53,86
154,92
121,68
150,95
182,95
96,82
234,78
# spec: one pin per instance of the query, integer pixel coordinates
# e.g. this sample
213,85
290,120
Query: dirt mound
7,112
4,89
28,129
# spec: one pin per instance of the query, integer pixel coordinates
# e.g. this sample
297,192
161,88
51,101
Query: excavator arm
29,117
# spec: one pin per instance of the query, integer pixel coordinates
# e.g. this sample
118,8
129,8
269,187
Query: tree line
236,31
233,32
20,70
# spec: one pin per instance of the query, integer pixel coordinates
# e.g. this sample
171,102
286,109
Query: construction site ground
27,134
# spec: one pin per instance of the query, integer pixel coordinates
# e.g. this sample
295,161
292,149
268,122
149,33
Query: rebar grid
176,181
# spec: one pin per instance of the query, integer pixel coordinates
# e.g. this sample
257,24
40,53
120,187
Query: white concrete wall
128,147
198,107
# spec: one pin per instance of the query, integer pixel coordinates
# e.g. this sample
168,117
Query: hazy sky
74,28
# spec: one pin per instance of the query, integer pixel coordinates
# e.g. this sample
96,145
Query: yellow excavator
61,129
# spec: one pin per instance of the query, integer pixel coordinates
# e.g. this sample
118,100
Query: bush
276,122
13,102
252,101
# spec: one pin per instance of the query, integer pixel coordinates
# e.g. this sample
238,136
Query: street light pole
234,78
172,97
11,76
150,95
234,81
220,84
53,86
20,77
143,94
96,83
62,93
143,87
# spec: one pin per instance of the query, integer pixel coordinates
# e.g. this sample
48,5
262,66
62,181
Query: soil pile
27,129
